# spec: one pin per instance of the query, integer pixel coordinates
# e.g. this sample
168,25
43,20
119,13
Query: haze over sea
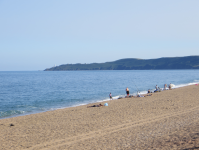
30,92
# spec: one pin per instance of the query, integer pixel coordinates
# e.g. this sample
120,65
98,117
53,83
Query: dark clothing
127,92
95,106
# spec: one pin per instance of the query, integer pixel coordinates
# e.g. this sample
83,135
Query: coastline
47,95
97,101
126,123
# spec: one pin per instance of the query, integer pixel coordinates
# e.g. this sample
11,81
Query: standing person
127,91
110,95
170,86
165,86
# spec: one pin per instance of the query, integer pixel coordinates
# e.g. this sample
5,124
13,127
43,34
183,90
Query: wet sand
165,120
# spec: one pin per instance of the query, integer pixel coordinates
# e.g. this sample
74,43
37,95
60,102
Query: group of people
111,98
165,87
156,89
127,93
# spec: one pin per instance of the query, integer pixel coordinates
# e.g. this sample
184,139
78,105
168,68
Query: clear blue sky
38,34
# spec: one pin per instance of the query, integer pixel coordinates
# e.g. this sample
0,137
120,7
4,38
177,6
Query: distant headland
188,62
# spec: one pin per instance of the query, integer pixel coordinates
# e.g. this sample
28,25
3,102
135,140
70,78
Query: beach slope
165,120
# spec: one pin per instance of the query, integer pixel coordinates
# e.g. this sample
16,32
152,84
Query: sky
35,35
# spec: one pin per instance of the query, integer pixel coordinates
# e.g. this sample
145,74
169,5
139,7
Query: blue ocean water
37,91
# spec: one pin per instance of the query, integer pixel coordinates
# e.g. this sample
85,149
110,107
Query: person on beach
159,89
127,91
165,86
149,91
156,87
170,86
96,105
110,95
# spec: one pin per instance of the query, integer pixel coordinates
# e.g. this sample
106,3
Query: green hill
189,62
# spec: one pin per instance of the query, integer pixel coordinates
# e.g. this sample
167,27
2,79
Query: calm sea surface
24,93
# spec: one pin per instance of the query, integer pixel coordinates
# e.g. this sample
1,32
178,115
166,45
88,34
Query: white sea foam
183,85
143,92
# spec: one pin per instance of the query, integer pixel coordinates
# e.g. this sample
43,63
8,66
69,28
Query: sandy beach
165,120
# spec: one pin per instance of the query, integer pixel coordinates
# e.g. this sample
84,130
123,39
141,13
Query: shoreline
98,101
127,123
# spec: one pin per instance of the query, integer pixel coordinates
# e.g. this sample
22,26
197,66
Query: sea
29,92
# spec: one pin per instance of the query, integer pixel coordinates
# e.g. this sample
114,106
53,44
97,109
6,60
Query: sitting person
96,105
156,87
